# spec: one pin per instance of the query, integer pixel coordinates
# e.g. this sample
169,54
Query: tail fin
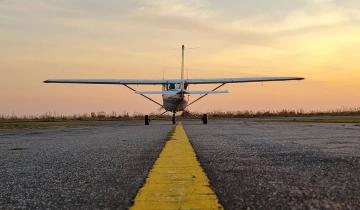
182,68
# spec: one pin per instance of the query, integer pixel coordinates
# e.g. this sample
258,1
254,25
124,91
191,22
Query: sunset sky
141,39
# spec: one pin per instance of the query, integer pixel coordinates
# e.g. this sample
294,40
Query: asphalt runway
276,165
88,167
250,164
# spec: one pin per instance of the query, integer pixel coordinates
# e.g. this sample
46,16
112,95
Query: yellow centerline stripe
176,180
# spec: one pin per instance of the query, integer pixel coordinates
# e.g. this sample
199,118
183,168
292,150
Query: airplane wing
160,82
108,81
240,80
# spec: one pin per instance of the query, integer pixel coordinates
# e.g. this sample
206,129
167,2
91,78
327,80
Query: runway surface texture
90,167
273,165
250,164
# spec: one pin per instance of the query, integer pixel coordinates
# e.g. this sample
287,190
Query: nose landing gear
147,120
204,118
173,119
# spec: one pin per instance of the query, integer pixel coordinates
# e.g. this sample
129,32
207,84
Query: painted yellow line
176,180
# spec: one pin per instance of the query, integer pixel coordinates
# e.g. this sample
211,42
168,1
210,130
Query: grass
281,113
50,117
50,120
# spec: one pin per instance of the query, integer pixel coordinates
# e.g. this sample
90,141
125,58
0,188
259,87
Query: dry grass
60,121
50,117
102,116
274,113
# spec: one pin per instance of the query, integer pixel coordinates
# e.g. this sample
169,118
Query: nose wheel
147,120
204,118
173,119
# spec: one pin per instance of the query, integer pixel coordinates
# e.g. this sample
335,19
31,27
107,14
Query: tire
147,120
173,119
205,119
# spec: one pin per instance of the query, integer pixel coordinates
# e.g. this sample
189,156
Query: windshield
173,86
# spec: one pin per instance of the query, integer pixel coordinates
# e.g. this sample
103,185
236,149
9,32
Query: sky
141,39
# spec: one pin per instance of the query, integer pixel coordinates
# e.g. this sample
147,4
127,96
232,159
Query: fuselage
174,102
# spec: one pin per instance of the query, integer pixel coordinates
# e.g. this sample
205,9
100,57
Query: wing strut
144,96
205,94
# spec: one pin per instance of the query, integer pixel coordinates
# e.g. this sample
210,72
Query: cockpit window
173,86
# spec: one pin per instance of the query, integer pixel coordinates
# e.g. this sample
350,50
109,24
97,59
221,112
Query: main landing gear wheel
174,119
205,118
147,120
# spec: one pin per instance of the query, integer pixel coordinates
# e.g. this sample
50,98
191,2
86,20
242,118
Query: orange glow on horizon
141,45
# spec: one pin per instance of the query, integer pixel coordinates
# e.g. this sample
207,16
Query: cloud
187,9
300,20
199,18
180,18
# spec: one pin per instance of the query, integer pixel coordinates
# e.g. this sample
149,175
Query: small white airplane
174,90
